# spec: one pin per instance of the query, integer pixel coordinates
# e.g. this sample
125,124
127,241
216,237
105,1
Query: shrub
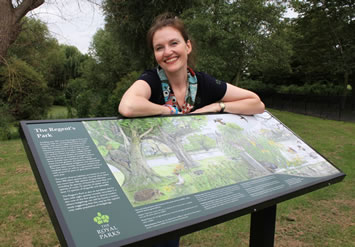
257,86
5,122
314,89
24,90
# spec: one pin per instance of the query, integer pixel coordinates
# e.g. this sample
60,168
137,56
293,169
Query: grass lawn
57,112
322,218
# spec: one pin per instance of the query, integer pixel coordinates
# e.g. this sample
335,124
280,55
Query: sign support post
262,227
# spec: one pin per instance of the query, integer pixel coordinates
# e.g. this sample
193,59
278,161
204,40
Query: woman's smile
171,60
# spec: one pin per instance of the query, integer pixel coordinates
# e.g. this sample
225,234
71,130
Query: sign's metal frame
263,211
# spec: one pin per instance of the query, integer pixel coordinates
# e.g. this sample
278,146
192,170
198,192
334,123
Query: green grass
325,217
57,112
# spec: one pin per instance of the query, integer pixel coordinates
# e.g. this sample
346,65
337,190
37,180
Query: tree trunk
10,22
141,173
178,149
8,27
236,78
345,89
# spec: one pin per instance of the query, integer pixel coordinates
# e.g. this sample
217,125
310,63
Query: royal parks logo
106,230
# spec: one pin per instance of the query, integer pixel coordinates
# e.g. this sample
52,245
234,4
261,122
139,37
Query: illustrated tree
120,143
263,150
200,141
171,132
127,156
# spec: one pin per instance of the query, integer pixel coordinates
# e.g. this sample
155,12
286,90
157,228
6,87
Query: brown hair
170,20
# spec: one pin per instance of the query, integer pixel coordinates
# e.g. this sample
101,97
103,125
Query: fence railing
329,107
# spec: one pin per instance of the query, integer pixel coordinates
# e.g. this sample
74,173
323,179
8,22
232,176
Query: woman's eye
158,48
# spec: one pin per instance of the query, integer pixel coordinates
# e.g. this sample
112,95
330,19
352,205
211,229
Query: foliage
104,76
318,88
257,86
235,34
120,89
248,43
5,121
24,90
37,57
328,55
11,17
129,21
58,112
200,142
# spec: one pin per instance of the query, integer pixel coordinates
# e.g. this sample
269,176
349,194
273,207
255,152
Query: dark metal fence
329,107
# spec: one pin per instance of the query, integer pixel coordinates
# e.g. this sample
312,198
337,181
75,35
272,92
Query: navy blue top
209,89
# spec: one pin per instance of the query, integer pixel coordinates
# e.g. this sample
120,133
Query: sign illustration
113,182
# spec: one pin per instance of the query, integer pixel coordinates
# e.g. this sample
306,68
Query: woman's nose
167,51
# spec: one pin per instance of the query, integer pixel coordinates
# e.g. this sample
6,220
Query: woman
174,88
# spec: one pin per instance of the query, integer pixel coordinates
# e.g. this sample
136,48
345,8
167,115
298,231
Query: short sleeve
152,78
210,90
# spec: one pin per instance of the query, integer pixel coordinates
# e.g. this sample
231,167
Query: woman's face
170,49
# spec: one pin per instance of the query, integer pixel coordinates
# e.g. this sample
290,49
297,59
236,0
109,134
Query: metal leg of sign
262,228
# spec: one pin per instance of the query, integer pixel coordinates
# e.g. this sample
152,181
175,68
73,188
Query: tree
234,34
11,14
104,76
128,135
129,21
56,63
5,121
118,140
325,45
199,141
24,90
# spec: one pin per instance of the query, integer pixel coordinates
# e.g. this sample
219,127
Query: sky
71,22
75,22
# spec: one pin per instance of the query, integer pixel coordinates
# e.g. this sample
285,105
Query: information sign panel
112,182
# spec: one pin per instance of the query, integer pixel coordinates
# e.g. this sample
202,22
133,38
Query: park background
303,64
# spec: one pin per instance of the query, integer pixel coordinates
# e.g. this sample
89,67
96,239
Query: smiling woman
174,87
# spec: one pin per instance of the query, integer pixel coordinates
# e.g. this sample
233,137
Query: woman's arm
135,102
238,101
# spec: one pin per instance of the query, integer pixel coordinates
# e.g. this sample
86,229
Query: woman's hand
236,100
241,101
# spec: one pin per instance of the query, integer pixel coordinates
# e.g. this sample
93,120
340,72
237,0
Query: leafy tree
5,121
123,138
24,90
11,14
11,19
105,76
126,136
129,21
272,63
56,63
198,142
235,33
33,43
325,45
121,87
